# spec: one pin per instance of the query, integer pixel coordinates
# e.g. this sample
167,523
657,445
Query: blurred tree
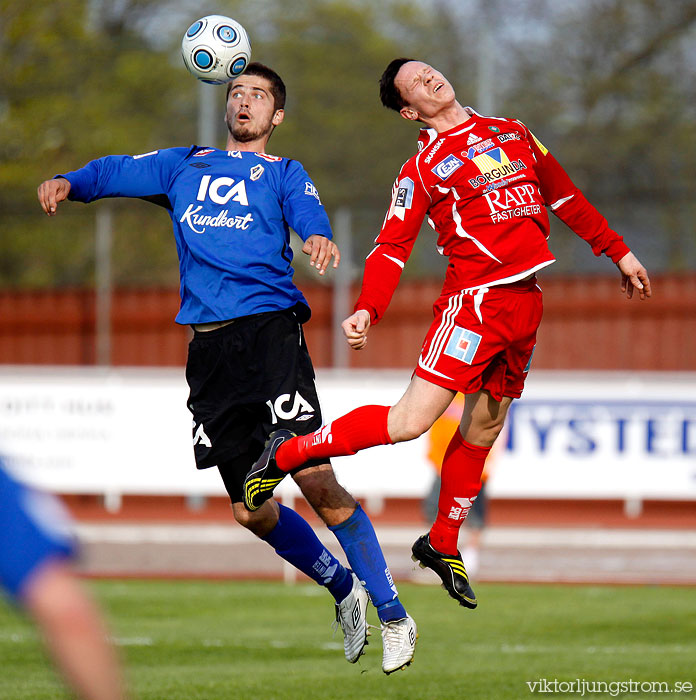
617,80
607,84
73,89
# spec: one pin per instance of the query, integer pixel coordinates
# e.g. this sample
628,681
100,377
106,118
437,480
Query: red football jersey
484,186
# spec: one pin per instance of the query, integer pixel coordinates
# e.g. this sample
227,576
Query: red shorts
483,340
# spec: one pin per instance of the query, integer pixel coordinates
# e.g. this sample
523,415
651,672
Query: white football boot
399,643
351,615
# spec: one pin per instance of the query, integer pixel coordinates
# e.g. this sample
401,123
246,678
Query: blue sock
294,540
358,540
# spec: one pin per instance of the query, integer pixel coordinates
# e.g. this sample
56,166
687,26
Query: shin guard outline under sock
294,540
460,483
359,542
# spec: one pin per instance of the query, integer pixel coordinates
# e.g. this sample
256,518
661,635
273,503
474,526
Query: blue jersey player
248,369
35,551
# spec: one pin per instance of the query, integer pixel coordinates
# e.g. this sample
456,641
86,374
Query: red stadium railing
587,325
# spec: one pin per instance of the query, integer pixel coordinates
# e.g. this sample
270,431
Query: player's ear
409,113
278,117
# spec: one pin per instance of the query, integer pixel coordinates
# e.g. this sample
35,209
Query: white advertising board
594,435
572,435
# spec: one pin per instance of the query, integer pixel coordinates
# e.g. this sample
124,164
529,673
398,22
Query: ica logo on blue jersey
221,190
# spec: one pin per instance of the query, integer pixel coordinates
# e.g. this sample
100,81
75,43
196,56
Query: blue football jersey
232,212
34,530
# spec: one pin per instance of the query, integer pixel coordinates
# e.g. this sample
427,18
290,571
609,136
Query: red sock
364,427
462,467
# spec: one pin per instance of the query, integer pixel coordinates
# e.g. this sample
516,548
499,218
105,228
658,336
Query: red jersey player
485,184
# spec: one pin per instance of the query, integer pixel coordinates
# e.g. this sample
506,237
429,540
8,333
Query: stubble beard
244,133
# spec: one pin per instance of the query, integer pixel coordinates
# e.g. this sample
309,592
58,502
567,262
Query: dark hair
277,84
388,92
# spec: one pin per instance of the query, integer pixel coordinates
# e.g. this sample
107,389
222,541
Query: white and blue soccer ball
216,49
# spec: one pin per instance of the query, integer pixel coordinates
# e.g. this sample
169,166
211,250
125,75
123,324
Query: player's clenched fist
355,328
51,192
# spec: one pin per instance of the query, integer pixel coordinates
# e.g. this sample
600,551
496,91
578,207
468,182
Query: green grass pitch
212,640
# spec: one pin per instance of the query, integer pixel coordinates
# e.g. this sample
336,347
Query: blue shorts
34,529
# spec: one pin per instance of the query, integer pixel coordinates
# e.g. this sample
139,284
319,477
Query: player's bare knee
248,520
483,433
406,425
322,491
260,521
409,429
491,435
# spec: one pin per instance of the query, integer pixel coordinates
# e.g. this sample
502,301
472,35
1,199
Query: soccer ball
216,49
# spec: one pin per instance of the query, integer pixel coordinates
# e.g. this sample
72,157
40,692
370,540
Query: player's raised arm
320,250
51,192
